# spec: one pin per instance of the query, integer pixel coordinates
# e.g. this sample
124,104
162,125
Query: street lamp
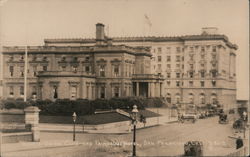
134,116
74,128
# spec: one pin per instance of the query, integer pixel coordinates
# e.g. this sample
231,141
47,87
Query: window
214,73
202,49
168,49
44,68
178,66
213,83
34,58
11,91
116,70
202,56
75,59
168,83
202,98
102,92
168,66
63,59
202,74
168,75
73,92
63,68
21,58
159,58
74,68
178,75
159,67
178,58
116,92
11,69
87,59
55,94
202,83
21,91
214,49
178,83
159,49
178,49
45,58
191,66
191,98
168,98
11,58
168,58
22,71
34,70
182,66
191,83
102,71
33,90
87,68
191,74
182,58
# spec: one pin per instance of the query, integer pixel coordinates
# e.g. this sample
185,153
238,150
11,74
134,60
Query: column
149,89
152,89
32,121
137,88
156,90
160,89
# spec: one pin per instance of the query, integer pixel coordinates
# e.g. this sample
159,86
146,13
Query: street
164,140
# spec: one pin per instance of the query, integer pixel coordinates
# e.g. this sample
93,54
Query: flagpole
25,73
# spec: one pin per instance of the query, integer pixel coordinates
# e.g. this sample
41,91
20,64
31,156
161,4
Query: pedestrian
239,142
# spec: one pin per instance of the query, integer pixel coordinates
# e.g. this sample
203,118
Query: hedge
66,107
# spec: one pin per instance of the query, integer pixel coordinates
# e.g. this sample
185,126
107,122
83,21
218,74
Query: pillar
32,121
149,89
152,89
137,89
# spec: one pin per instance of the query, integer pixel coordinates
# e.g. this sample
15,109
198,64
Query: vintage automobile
189,117
223,119
193,148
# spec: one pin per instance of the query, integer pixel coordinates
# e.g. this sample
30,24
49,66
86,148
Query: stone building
99,70
198,69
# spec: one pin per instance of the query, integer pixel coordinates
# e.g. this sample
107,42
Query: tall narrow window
202,83
11,91
11,69
202,74
21,71
21,91
213,83
102,92
102,71
191,74
168,58
178,75
116,70
55,94
178,83
73,92
214,48
191,83
168,75
45,68
87,69
159,58
116,92
34,70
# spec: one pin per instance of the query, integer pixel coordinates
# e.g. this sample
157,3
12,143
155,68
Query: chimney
209,31
100,36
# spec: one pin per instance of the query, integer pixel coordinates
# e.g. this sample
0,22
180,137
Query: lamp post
74,128
134,116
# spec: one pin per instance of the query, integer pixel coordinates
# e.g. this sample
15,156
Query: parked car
189,117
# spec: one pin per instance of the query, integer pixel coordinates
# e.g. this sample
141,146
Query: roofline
150,39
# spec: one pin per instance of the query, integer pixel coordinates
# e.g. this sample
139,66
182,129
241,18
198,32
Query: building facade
100,70
198,69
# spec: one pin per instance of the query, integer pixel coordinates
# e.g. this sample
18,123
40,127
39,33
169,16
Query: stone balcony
65,74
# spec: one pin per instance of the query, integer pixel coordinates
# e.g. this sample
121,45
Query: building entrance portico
147,85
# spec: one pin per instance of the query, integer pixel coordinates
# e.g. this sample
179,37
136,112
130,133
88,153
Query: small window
63,59
202,74
214,48
202,49
21,91
159,67
168,83
45,58
168,58
21,57
202,83
34,70
178,83
178,49
178,58
213,83
11,91
22,71
178,75
168,49
87,69
102,71
34,58
159,49
116,70
159,58
191,83
168,75
191,74
44,68
168,66
177,65
87,58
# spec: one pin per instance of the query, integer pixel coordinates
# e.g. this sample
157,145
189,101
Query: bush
65,107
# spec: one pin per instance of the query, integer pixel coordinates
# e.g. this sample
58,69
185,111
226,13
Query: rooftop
203,36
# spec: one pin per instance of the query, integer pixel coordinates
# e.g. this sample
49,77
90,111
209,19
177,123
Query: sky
31,21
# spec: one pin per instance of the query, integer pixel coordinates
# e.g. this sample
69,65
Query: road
164,140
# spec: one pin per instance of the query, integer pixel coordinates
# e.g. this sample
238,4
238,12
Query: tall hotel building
198,69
